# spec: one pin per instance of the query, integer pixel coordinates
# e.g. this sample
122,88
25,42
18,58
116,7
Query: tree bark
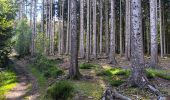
91,29
34,29
62,30
153,31
81,43
160,25
94,31
42,24
164,36
101,25
68,29
88,32
138,77
112,34
106,27
121,35
127,31
74,71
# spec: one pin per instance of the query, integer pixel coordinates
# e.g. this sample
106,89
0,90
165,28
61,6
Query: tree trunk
62,30
31,13
121,35
138,77
88,32
148,39
160,25
81,43
68,29
94,31
106,27
91,29
153,31
51,29
74,71
101,25
112,34
164,36
127,30
34,29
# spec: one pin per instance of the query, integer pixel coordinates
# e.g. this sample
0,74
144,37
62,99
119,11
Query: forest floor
91,86
26,87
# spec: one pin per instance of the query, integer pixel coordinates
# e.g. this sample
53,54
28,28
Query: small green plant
116,82
87,66
53,72
104,73
62,90
152,73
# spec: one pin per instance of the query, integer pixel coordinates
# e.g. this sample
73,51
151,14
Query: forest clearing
84,50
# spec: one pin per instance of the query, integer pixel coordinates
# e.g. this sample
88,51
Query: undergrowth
62,90
8,81
47,67
88,89
152,73
87,66
115,76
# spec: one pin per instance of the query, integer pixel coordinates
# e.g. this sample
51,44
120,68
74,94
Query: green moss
62,90
151,73
114,71
87,66
116,81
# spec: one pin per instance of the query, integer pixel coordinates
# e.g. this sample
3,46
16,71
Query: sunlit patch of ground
8,81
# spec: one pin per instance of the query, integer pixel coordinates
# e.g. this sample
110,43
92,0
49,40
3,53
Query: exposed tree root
112,95
142,83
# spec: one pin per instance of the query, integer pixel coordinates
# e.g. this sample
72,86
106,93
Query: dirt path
26,88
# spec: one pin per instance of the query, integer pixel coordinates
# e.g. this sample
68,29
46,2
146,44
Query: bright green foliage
7,82
62,90
114,71
22,38
87,66
115,76
152,73
7,14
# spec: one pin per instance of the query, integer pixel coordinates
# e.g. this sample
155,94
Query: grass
152,73
92,89
62,90
113,71
8,81
47,67
44,69
87,66
42,82
115,76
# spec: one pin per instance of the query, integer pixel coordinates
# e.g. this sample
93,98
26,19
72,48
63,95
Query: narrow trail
27,87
